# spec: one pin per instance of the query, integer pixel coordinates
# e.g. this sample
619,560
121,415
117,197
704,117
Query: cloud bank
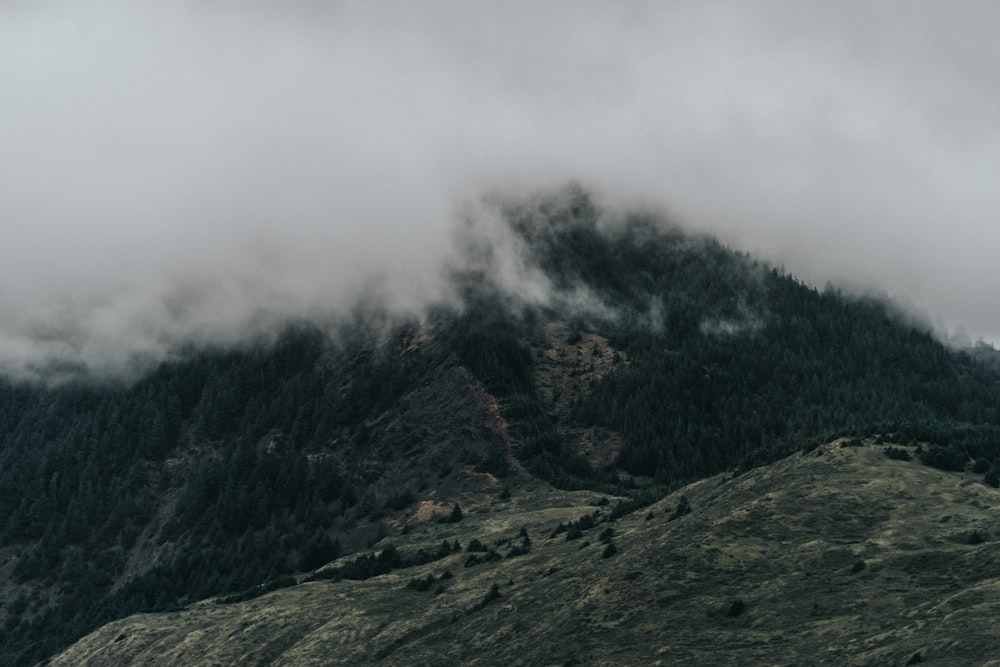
199,172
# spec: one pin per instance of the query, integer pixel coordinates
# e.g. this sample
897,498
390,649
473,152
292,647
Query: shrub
609,550
898,453
474,559
421,584
518,550
736,608
683,507
492,594
943,458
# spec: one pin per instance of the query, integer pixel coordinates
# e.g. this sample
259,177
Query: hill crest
837,556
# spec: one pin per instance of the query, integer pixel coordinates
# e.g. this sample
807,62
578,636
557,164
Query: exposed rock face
840,556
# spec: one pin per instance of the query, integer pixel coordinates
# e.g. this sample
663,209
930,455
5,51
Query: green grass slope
840,556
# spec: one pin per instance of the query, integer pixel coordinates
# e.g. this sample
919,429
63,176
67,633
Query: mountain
839,556
580,351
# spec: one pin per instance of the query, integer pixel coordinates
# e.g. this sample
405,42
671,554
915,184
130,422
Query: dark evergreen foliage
724,363
489,557
898,453
476,546
945,458
491,596
683,508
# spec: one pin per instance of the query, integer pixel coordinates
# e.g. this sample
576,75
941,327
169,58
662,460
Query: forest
229,468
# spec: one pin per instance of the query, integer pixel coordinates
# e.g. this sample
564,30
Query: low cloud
198,173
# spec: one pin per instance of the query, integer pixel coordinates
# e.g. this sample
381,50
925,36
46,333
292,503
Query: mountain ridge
609,353
836,556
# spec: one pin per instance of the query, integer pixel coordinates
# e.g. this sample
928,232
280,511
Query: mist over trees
229,469
190,173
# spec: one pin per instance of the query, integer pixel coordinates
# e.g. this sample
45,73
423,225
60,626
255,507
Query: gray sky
177,172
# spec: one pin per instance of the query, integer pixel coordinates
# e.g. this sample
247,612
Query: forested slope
227,468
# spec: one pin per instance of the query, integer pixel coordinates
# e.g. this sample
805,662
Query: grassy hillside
841,556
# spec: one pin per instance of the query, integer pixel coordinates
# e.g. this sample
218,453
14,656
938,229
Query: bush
488,557
609,550
898,453
943,458
518,550
492,594
683,507
736,608
421,584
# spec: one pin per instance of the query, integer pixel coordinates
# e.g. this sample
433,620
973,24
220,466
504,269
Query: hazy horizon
189,172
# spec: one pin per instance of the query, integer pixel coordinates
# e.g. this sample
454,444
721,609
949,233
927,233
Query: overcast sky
183,171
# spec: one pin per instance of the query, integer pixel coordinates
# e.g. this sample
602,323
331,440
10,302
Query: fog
177,173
